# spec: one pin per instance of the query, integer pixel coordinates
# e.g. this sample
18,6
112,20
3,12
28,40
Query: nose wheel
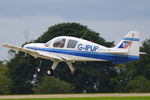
38,69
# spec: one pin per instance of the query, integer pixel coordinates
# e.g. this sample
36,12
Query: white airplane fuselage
83,51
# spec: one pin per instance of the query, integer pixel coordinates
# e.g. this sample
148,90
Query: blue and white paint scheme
71,49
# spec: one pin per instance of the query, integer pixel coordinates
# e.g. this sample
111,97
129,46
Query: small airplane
70,49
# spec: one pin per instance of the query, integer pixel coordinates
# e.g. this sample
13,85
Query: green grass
91,98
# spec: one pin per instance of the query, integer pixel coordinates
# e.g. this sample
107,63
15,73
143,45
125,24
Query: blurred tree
1,63
138,84
5,81
52,85
22,70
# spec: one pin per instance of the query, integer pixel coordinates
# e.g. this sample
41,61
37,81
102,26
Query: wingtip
4,44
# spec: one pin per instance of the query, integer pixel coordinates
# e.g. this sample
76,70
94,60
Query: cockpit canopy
61,43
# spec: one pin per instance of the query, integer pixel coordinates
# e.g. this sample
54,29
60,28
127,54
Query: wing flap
48,55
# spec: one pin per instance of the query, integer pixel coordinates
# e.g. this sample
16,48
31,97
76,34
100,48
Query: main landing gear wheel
49,72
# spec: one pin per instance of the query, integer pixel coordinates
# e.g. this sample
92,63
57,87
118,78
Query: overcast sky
25,20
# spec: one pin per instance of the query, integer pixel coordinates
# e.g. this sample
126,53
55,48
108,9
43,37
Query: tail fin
130,43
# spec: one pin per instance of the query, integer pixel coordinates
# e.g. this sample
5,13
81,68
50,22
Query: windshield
48,43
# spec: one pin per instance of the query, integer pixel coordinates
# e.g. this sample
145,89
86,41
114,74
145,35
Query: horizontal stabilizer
142,53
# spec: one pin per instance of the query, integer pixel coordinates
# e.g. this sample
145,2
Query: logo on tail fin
125,44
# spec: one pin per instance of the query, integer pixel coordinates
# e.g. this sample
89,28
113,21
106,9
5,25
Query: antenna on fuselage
84,34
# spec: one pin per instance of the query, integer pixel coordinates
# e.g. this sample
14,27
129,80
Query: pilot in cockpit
62,43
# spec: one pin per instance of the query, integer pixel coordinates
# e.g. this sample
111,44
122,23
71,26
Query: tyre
38,69
49,72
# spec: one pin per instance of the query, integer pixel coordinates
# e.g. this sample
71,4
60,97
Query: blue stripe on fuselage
116,59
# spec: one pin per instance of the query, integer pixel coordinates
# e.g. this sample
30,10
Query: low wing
35,53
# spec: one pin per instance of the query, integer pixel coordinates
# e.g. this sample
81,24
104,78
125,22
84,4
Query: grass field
90,98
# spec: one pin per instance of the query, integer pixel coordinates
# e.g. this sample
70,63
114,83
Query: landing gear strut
50,71
73,70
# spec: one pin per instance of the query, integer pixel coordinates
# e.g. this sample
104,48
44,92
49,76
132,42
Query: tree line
19,75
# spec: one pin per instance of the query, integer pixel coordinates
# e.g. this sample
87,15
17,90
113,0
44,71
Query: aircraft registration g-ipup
70,49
